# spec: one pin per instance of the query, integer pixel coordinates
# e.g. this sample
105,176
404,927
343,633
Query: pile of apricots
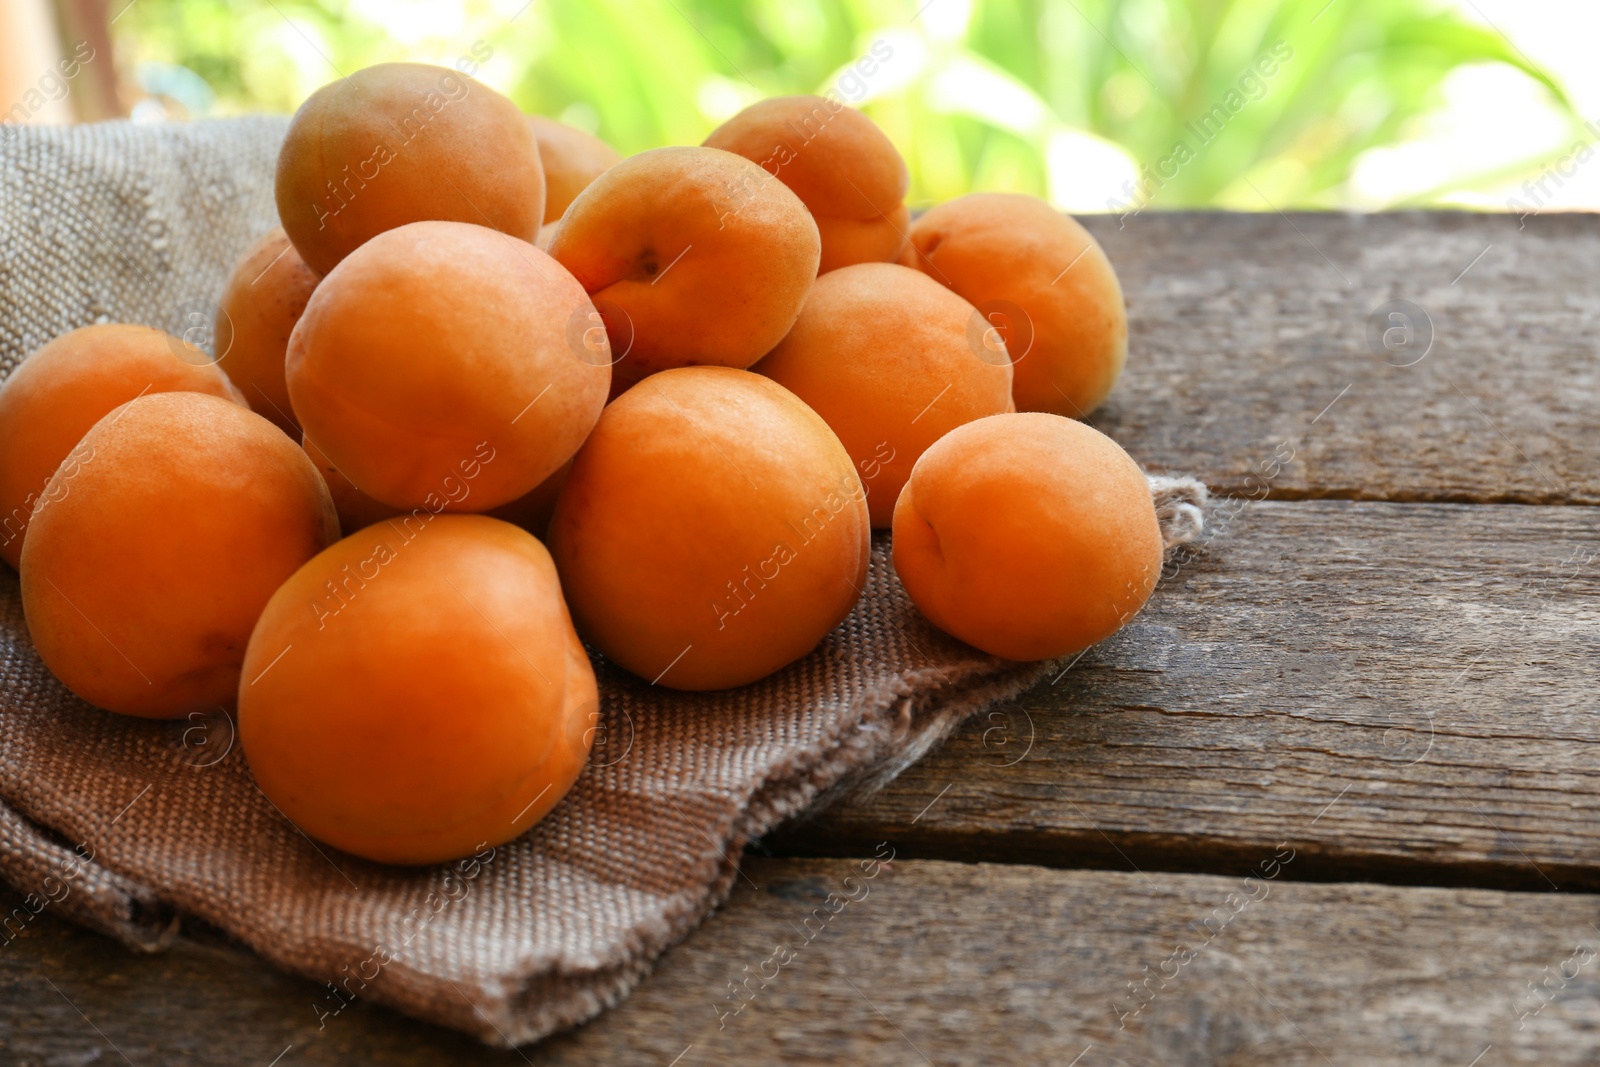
493,394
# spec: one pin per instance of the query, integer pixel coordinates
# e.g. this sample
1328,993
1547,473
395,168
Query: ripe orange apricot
692,256
416,692
572,159
712,529
60,391
264,298
403,142
838,162
157,544
434,367
884,354
356,509
1027,535
1044,284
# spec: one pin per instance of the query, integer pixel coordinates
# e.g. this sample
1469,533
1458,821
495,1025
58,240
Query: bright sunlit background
1096,104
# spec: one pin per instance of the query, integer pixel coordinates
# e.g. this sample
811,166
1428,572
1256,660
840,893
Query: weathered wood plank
1243,329
1410,690
930,963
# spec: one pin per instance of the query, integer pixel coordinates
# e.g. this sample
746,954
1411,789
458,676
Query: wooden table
1333,798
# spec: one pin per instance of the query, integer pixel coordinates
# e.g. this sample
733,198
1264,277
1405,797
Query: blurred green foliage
1064,98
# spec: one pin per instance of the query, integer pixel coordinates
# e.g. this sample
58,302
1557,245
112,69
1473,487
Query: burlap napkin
126,824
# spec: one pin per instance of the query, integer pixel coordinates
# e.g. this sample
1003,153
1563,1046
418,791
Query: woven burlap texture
125,824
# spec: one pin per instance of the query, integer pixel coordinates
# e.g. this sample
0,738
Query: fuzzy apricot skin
416,692
693,256
1006,251
404,142
1029,536
886,356
712,529
265,296
572,159
157,545
838,162
64,388
356,509
435,367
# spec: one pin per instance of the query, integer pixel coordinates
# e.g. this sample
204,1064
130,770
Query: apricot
52,399
694,255
156,545
404,142
1029,535
416,693
1043,284
433,367
264,298
572,158
356,509
840,164
712,529
883,354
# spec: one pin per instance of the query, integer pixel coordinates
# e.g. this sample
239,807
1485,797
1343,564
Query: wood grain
1409,690
1244,328
929,963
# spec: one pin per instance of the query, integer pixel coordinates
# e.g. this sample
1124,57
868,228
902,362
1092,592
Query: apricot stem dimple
751,262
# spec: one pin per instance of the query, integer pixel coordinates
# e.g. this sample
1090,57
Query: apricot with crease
416,691
695,255
1027,535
